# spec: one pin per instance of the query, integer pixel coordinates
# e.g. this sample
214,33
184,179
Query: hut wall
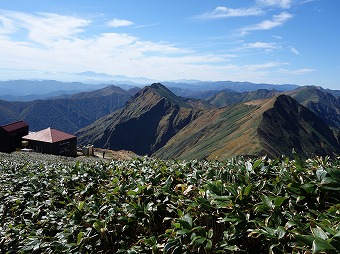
4,141
66,147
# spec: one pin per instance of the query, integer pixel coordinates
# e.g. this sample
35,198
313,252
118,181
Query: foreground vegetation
57,205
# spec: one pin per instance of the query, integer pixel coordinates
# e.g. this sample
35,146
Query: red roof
14,126
49,135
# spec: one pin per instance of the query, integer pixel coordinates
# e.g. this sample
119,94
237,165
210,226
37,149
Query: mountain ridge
152,116
146,126
154,121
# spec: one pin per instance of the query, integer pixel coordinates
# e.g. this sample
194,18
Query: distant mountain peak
156,92
94,74
164,92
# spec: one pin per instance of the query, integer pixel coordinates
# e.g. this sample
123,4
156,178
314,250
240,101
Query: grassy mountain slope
274,127
212,135
290,125
148,121
323,103
67,114
227,98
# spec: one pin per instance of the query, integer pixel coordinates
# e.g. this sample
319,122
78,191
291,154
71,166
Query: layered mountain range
68,113
197,123
156,122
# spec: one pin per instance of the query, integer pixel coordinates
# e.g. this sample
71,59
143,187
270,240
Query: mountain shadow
147,122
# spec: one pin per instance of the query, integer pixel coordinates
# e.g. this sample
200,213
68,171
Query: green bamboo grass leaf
257,164
321,245
80,237
230,247
177,225
99,226
200,230
171,244
220,204
177,250
266,201
318,232
247,190
203,203
326,226
335,173
180,213
280,232
337,235
186,222
167,184
81,205
198,241
216,187
133,192
210,233
183,232
329,180
305,239
278,201
208,246
77,166
320,174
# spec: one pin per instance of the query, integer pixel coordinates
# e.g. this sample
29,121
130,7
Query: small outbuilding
11,135
52,141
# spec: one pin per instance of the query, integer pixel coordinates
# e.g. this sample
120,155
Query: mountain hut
11,135
52,141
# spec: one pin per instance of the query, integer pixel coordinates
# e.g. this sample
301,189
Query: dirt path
115,155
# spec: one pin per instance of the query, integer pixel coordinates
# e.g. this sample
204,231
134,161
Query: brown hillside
274,127
219,134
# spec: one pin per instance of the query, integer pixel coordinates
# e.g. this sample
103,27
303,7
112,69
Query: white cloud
277,20
6,26
277,37
224,12
120,22
268,65
52,42
307,1
261,45
294,50
46,27
284,4
297,71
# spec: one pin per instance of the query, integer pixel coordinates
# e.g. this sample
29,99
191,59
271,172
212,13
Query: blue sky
270,41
